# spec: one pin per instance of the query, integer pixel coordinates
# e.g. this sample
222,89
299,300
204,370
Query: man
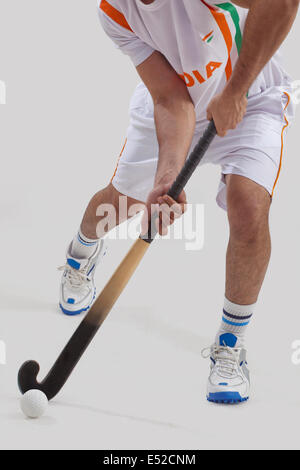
199,60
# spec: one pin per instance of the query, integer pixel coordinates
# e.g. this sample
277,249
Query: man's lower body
250,158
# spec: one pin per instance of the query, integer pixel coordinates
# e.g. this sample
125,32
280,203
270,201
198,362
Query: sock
83,247
234,324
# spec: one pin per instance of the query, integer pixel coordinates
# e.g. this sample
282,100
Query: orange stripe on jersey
282,134
119,160
222,23
114,14
288,101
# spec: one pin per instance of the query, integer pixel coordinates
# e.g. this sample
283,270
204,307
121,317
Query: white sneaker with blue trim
229,380
77,288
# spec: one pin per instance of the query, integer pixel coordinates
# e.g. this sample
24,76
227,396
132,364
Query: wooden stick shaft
117,283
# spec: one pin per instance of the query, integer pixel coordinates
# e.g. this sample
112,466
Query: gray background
142,382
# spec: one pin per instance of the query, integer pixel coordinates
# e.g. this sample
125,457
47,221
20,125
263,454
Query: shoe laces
224,357
76,278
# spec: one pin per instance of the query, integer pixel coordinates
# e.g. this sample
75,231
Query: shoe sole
71,313
226,398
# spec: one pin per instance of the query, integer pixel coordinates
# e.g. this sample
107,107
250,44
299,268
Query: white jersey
201,39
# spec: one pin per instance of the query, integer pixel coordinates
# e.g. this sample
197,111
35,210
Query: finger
233,125
160,228
167,216
183,208
145,221
173,212
169,213
164,228
167,219
221,132
164,212
176,205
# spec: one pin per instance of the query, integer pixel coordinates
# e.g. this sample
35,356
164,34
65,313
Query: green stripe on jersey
236,20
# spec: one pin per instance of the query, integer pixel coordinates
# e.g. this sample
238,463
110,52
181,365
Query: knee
107,195
112,196
248,213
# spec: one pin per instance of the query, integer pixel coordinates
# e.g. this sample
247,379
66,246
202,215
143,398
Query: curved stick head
27,377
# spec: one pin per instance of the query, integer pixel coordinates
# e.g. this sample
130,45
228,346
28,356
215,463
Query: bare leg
248,256
109,195
249,246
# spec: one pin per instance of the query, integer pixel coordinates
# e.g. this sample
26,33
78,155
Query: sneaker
77,289
229,380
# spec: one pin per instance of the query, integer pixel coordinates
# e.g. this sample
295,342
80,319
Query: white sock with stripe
235,320
83,247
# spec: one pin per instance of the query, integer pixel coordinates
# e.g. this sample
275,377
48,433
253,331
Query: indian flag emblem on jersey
209,37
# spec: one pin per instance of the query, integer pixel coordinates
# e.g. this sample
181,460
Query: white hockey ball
34,404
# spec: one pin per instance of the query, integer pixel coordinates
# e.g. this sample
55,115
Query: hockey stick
66,362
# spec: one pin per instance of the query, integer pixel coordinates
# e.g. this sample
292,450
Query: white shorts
253,150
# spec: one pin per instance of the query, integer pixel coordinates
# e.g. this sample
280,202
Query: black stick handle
185,174
193,161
